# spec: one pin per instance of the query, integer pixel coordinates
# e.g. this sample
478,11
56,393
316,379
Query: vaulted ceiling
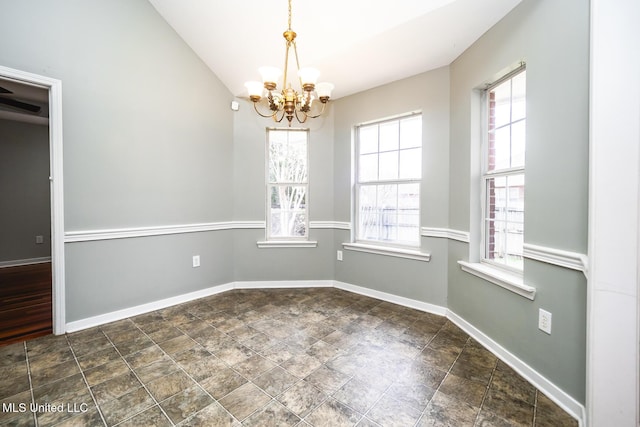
356,44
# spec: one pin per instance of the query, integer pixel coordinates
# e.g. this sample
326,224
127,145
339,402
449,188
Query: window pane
409,196
388,165
519,94
518,140
496,241
389,136
411,132
287,156
287,210
505,220
411,163
496,197
288,224
501,149
516,191
368,167
278,136
368,214
368,139
514,242
409,213
296,137
388,206
388,196
500,103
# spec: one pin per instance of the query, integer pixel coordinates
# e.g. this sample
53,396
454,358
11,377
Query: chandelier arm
255,107
275,117
298,117
324,104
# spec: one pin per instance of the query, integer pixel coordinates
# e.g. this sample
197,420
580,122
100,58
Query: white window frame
285,241
487,175
366,245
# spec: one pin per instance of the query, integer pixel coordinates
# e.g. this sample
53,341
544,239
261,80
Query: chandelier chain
289,21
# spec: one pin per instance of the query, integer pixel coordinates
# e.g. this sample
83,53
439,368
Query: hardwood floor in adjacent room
25,302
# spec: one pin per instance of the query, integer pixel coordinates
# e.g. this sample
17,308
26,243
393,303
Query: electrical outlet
339,255
39,240
544,321
196,261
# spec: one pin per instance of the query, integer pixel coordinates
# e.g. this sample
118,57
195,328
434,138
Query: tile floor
285,357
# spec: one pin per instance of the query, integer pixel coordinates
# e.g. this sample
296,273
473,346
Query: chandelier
288,102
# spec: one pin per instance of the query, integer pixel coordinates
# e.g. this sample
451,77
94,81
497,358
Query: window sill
267,244
509,281
388,251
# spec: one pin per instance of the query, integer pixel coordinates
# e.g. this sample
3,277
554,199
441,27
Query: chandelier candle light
288,102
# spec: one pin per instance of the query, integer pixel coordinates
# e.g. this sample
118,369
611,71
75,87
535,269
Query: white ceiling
356,44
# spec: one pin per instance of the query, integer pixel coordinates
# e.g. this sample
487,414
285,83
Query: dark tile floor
320,357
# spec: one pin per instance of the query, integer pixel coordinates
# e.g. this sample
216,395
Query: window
287,184
503,172
388,174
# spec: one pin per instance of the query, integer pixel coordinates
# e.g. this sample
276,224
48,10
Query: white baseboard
566,402
27,261
113,316
562,399
406,302
283,284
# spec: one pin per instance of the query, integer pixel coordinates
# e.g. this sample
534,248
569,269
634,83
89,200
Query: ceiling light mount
288,102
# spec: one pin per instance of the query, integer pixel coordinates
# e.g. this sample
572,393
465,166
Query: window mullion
510,124
378,152
504,172
391,182
398,161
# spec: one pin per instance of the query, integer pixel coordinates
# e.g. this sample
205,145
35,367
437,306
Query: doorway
25,217
52,90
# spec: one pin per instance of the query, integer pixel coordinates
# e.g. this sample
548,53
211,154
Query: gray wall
25,210
109,275
147,141
429,93
553,39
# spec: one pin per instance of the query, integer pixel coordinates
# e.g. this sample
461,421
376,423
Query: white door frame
54,87
614,216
